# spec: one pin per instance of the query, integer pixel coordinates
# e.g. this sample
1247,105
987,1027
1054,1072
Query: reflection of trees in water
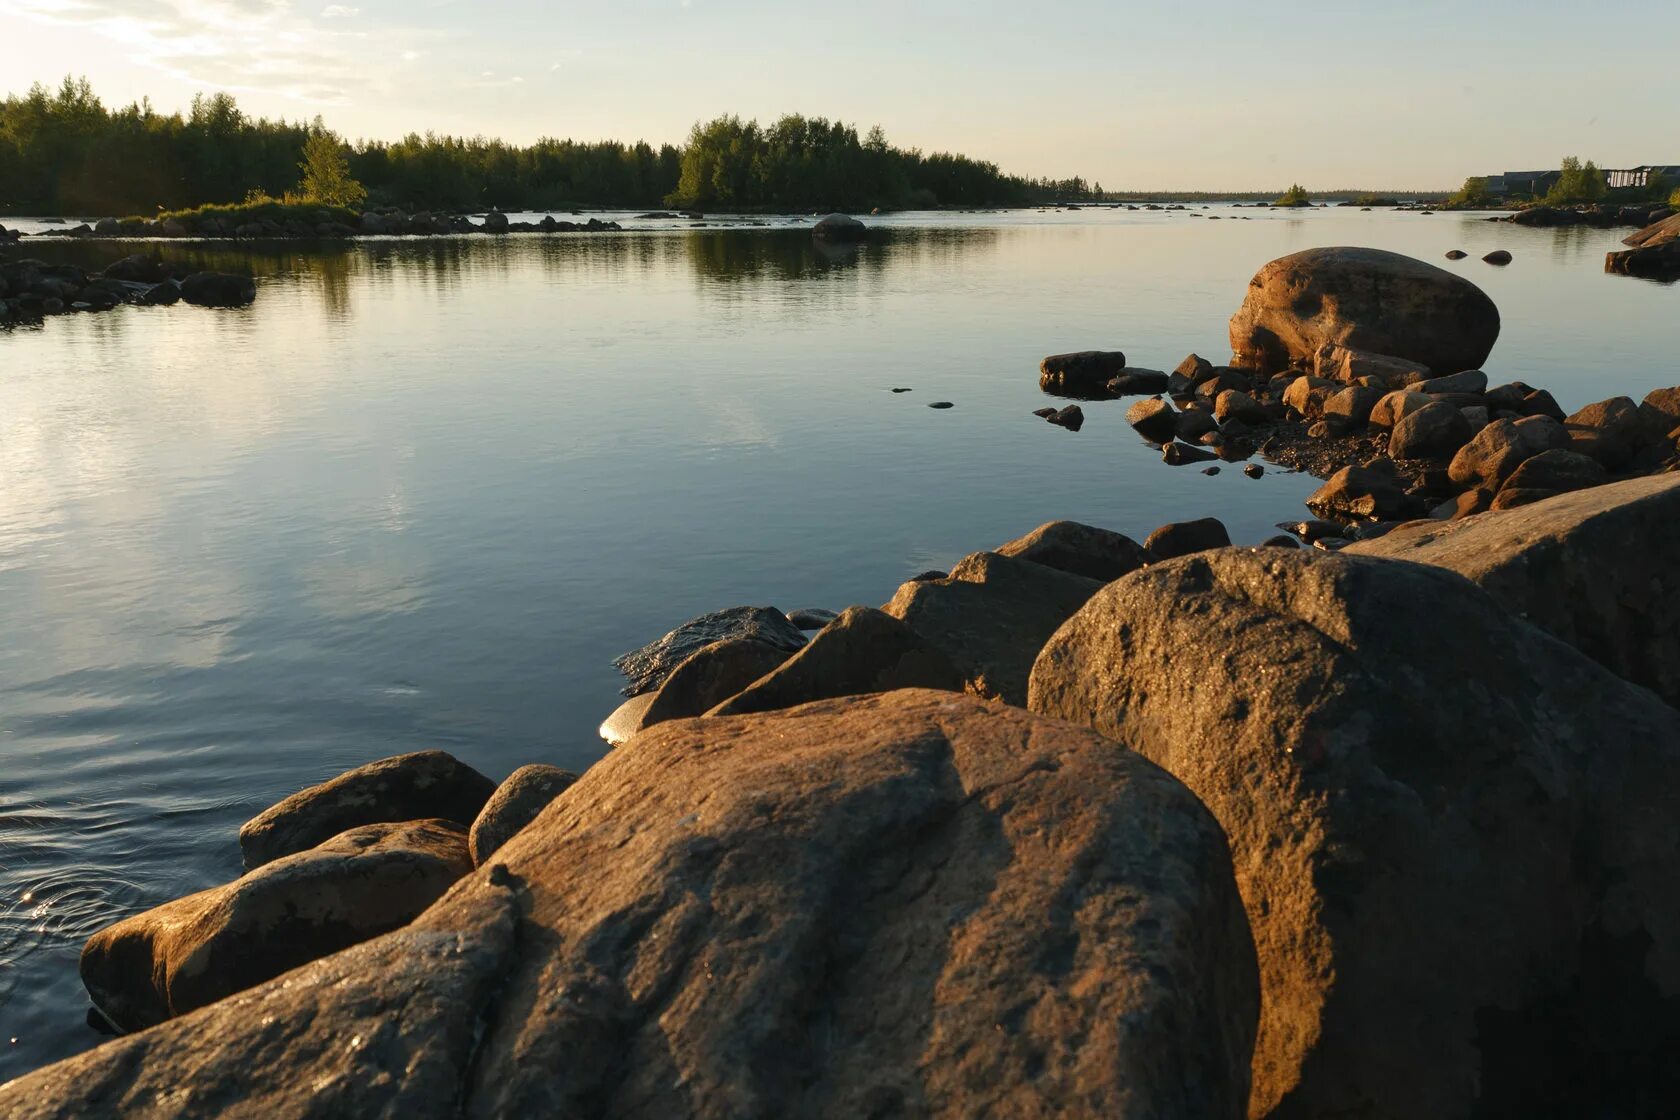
730,265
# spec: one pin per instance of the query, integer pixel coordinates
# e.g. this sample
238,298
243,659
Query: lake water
421,492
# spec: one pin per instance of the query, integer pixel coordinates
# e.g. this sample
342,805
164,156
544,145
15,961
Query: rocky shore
1086,826
31,290
323,224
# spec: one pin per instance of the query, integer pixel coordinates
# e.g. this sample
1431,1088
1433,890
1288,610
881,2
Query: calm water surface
421,492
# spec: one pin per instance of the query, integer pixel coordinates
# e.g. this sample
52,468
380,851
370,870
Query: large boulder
990,616
914,904
404,787
840,228
515,804
1500,448
196,950
1435,431
648,667
862,651
1453,838
1084,550
1598,568
218,289
1364,299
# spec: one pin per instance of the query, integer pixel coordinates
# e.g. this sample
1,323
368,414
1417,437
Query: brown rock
1339,363
1558,471
1083,550
196,950
1353,404
405,787
1365,492
710,677
1181,538
1500,448
1610,431
991,616
1435,431
913,904
1233,404
1510,497
1082,374
1153,419
1387,412
515,804
1365,299
1424,822
1306,395
862,651
1598,568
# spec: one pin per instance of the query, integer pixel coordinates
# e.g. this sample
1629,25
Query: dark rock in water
1655,262
1177,454
1435,431
1210,470
1501,447
166,294
1498,256
1594,568
1000,915
1194,368
1082,374
991,616
515,804
902,390
218,289
862,651
196,950
144,268
1456,254
1045,413
1153,419
1366,299
1368,492
648,666
1311,531
1072,418
941,404
1558,471
1280,541
1083,550
811,618
840,228
495,222
1194,423
404,787
1440,830
1254,470
710,676
1181,538
1130,382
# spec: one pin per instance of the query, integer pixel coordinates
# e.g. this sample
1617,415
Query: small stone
1153,419
903,390
1456,254
1072,418
1177,454
811,618
941,404
1045,413
1498,256
1254,470
1210,470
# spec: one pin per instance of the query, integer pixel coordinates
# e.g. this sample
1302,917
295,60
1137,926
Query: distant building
1537,183
1641,176
1523,182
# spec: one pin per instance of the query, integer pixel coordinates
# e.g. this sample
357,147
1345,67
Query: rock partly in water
648,666
710,676
1366,299
840,228
196,950
991,617
915,904
1373,492
1180,538
1082,374
811,618
1083,550
862,651
218,289
405,787
515,804
1453,839
1153,419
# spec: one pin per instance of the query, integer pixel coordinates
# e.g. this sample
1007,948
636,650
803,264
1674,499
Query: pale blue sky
1215,95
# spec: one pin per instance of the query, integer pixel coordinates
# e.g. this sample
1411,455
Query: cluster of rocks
1601,215
1654,252
1363,367
32,289
322,224
1085,827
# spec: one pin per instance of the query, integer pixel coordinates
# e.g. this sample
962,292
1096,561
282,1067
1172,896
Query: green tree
1472,194
326,171
1296,195
1577,182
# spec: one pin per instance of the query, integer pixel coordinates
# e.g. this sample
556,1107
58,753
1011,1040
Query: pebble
1254,470
1211,470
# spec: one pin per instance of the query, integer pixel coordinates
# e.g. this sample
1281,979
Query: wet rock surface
648,666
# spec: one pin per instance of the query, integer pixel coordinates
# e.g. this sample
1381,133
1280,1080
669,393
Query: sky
1213,95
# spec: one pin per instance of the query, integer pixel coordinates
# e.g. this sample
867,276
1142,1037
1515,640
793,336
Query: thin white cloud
241,45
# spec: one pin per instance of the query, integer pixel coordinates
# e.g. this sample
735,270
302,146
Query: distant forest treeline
64,152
